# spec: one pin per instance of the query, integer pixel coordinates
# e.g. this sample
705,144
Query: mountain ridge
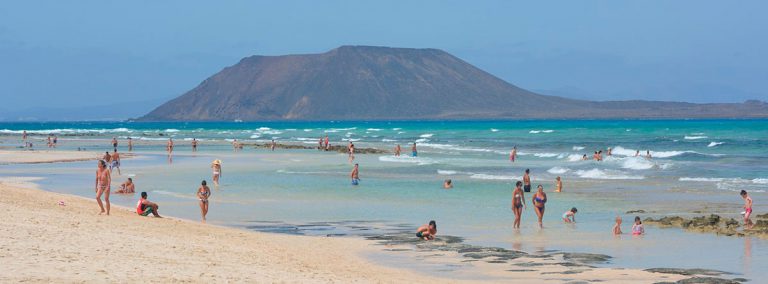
380,83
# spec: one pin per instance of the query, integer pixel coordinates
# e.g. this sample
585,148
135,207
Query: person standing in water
414,153
327,146
513,154
272,146
203,193
24,136
115,163
747,209
216,166
617,227
648,154
637,153
103,183
518,203
194,144
448,184
637,228
397,150
527,180
55,140
539,200
351,150
130,144
558,184
609,151
355,175
427,232
169,146
114,142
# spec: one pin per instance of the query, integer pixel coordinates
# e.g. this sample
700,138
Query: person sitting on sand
203,193
617,226
539,200
427,232
637,228
145,207
127,187
570,215
558,184
747,209
355,175
448,184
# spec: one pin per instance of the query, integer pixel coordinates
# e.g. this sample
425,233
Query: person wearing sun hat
216,166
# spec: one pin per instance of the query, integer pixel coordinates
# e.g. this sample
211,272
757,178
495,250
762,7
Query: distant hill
370,83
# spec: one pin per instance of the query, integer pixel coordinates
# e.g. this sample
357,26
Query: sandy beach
71,243
46,156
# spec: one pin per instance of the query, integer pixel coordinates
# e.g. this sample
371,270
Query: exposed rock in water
635,211
585,257
707,280
335,148
687,272
714,224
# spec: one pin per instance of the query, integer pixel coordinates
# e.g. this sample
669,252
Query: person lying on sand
427,232
145,207
617,226
127,187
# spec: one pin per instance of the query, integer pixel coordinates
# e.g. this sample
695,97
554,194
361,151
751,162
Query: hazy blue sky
69,53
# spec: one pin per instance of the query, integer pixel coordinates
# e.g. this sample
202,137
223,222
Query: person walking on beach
194,144
103,182
203,193
747,209
145,207
518,203
355,175
169,146
513,154
527,180
397,150
558,184
539,200
115,163
114,142
130,144
427,232
216,166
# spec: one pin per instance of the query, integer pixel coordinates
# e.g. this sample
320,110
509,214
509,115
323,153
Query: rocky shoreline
714,224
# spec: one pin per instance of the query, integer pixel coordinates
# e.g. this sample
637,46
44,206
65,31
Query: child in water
570,215
637,228
617,226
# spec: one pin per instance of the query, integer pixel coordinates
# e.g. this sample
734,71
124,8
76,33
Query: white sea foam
578,148
407,159
307,130
637,163
621,151
545,155
558,170
428,135
388,140
494,130
760,180
605,174
574,157
694,137
451,147
254,136
397,129
373,129
350,139
421,140
494,177
701,179
446,172
713,144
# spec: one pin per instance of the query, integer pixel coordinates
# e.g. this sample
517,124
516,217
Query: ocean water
698,167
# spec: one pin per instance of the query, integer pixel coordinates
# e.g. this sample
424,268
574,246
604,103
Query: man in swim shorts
355,175
114,142
427,232
414,153
145,207
527,181
115,163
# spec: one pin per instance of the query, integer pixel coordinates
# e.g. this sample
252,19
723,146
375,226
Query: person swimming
570,215
427,232
637,228
448,184
558,184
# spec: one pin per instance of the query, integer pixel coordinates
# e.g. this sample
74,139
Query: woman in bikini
539,199
518,203
203,193
216,166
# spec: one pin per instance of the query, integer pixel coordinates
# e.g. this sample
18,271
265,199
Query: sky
65,54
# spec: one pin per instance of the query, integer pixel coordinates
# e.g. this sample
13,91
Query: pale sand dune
46,156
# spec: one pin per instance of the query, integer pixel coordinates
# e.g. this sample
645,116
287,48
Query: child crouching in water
637,228
617,227
570,215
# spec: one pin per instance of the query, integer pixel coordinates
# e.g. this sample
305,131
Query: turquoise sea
698,167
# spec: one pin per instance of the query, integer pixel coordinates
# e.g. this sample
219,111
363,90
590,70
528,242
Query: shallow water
308,192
